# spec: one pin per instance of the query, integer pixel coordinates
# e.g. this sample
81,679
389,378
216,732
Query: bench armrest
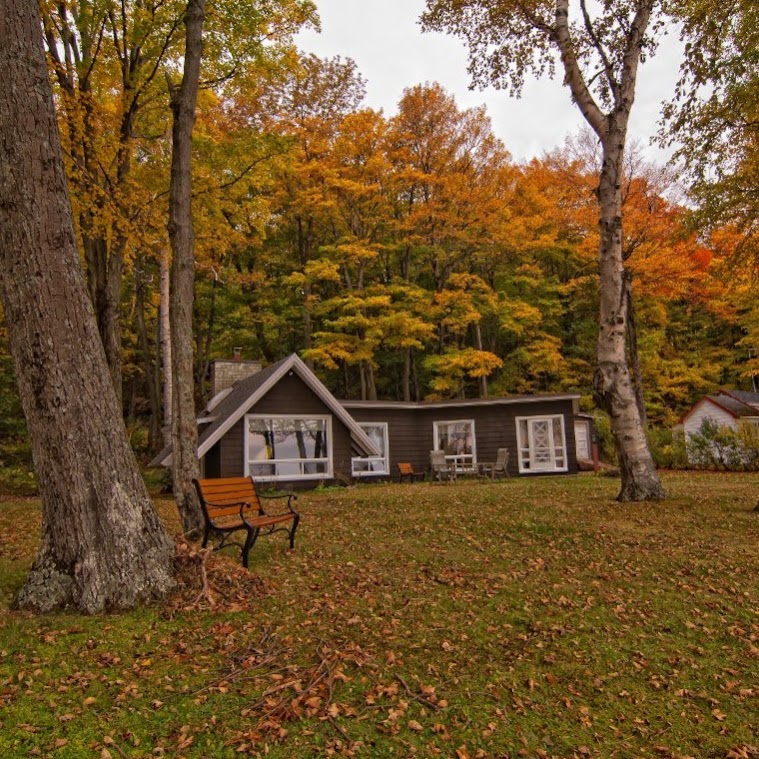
290,498
242,504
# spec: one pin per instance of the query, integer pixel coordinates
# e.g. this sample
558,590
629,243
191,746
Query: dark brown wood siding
212,462
410,430
289,396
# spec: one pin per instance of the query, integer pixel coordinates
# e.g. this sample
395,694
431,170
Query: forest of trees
404,257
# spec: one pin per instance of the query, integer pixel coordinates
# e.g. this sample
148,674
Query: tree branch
573,73
608,68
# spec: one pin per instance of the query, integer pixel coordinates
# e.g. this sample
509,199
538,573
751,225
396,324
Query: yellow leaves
454,366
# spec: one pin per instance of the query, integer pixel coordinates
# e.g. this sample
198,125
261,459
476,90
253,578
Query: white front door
542,456
541,444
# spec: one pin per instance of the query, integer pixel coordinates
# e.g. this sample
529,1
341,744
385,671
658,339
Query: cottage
727,408
281,425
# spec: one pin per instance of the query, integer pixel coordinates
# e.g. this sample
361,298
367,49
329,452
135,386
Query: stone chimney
226,371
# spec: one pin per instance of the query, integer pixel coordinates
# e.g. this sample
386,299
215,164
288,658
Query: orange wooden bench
406,470
232,504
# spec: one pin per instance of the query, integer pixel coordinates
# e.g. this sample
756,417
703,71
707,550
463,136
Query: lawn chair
501,466
442,470
407,470
497,468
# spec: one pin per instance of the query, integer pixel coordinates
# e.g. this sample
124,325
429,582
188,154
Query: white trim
457,459
528,446
386,458
295,364
328,475
218,398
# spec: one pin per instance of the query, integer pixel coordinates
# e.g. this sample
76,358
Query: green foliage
716,446
667,447
713,120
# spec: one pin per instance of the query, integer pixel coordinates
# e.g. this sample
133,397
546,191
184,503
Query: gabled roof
749,399
731,402
227,411
463,402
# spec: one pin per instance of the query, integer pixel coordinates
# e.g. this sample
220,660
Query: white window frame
383,459
524,447
290,477
460,462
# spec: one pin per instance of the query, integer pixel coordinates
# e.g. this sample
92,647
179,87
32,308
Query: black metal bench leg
249,541
206,535
293,529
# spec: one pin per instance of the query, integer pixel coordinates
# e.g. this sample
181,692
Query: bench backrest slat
215,494
405,468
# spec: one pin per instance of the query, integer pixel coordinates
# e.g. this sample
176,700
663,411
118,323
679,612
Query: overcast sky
385,40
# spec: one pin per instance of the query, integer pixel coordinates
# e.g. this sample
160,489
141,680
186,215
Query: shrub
667,448
717,447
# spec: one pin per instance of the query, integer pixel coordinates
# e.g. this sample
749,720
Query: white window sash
462,462
370,460
328,459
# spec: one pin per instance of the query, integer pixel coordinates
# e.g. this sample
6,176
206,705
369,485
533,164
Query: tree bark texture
104,259
165,332
184,428
148,364
612,381
102,544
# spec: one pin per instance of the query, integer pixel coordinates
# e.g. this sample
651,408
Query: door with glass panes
541,444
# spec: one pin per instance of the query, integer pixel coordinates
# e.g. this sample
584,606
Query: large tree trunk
165,339
148,364
184,428
634,353
612,380
102,544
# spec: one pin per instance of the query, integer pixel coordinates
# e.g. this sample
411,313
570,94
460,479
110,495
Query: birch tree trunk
612,381
184,427
102,544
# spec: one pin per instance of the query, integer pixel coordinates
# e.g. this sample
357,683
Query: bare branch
608,68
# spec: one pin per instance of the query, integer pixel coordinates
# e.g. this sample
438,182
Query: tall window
288,447
542,444
366,466
456,439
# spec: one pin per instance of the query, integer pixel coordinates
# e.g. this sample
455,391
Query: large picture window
367,466
456,439
288,447
542,444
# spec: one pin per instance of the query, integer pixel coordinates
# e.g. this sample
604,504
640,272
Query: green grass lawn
532,617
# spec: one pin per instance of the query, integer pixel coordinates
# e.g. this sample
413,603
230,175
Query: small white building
728,408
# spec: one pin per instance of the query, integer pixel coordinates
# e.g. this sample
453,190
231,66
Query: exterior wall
705,409
289,396
410,430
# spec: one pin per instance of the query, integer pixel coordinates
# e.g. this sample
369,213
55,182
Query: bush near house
715,446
